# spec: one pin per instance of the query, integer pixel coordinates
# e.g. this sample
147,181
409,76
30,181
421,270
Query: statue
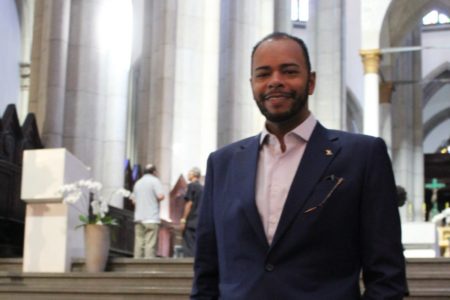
434,186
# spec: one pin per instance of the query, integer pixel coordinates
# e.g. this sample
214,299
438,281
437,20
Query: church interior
119,84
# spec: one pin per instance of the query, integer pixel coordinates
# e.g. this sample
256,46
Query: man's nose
275,80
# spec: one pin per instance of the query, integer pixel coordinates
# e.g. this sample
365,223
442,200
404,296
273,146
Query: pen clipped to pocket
337,182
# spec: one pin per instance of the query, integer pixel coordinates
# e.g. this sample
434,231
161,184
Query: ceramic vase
97,242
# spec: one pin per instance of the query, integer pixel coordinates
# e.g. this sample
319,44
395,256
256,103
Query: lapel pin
328,152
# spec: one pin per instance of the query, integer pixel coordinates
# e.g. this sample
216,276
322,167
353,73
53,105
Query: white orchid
441,216
73,192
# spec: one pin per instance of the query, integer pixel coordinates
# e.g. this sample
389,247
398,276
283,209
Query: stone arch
435,121
434,81
402,16
401,27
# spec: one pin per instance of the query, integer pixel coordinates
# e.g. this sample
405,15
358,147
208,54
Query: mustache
278,94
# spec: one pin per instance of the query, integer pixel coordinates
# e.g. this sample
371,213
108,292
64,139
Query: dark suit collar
321,149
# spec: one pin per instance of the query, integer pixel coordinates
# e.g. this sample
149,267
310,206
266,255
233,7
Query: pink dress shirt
276,171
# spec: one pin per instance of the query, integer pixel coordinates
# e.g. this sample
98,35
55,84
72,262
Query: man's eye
261,75
291,72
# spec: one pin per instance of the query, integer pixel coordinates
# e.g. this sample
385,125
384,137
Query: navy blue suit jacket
340,217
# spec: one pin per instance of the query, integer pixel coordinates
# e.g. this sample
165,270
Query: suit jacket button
269,267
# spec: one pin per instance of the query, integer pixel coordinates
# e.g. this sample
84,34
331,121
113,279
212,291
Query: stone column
26,9
407,140
385,93
116,48
329,100
371,61
282,16
155,103
48,73
196,84
417,195
243,23
95,110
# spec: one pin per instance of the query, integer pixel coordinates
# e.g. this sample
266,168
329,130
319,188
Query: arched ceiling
402,16
434,121
434,81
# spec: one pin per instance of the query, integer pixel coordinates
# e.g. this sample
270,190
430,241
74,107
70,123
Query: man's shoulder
236,146
147,179
357,142
351,137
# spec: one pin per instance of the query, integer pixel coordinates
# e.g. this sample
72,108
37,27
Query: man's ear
311,83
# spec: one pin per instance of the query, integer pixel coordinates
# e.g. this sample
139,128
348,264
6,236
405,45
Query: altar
51,240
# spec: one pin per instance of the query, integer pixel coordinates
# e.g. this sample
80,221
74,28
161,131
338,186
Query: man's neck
279,129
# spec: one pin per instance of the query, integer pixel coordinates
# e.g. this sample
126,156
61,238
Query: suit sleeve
206,273
382,256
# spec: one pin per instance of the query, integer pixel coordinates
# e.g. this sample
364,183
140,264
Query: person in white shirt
148,193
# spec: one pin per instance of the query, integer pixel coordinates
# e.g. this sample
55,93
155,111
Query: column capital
371,60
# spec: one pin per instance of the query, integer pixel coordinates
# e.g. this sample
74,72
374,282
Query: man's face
280,81
191,176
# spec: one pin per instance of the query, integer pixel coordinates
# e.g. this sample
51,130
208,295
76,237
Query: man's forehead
286,49
276,40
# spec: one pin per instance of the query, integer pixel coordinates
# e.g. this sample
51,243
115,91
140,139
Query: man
299,210
148,192
189,219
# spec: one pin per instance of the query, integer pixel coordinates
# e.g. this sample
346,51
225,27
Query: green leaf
84,219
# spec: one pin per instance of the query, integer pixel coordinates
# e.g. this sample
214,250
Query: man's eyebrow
262,68
290,65
287,65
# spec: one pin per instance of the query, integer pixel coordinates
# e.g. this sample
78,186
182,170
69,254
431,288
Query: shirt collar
304,130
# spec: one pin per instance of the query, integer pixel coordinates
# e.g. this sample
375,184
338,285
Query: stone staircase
429,279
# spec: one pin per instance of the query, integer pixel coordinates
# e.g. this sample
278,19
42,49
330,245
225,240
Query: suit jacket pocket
322,193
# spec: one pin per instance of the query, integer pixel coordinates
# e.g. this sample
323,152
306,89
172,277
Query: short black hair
282,35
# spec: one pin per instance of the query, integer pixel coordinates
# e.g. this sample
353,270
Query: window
435,17
300,11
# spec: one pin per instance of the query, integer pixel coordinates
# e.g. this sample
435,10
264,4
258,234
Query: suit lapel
245,166
320,151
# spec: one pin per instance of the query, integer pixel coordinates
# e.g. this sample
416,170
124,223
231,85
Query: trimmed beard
299,103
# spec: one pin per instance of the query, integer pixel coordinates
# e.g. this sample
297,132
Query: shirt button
269,267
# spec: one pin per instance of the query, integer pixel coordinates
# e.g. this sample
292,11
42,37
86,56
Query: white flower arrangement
441,216
73,192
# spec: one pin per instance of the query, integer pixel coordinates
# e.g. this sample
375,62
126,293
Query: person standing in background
148,192
188,222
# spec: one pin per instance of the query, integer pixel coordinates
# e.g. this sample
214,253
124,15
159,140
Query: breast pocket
323,192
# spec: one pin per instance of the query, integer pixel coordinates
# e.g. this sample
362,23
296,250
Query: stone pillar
407,140
385,93
371,61
26,9
85,95
196,84
155,103
95,110
48,72
116,47
418,181
243,23
329,100
282,16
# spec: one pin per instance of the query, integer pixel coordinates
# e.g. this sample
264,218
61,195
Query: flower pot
97,242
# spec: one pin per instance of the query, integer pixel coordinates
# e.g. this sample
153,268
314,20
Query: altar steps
429,279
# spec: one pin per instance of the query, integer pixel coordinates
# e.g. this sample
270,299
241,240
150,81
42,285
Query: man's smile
277,96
